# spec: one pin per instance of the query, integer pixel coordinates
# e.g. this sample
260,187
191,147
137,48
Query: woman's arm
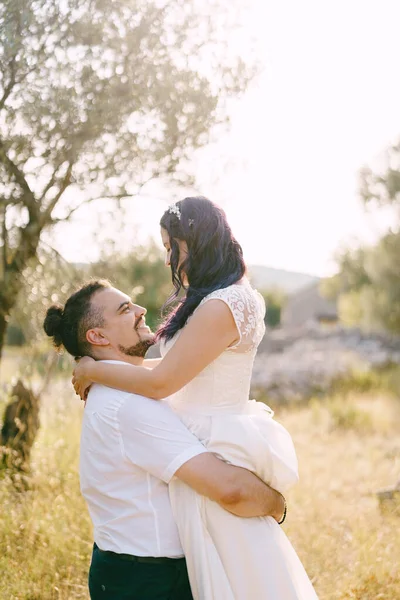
150,363
209,332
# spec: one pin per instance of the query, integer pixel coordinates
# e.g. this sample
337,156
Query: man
131,447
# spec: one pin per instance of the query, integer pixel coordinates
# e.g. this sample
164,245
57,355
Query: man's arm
155,439
237,490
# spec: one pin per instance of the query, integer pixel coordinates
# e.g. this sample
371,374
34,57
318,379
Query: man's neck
112,355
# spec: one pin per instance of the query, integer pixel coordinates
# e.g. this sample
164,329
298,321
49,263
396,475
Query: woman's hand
80,379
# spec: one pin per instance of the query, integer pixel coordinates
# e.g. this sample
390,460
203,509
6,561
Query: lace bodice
224,385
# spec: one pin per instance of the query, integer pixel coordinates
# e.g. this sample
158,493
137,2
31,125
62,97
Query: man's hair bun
53,324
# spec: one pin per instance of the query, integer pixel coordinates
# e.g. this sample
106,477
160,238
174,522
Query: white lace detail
248,310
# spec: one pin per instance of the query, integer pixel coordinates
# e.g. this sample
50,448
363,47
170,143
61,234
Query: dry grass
45,533
348,448
9,364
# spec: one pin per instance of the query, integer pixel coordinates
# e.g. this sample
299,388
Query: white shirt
131,447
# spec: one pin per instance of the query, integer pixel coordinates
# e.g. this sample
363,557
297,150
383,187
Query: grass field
348,448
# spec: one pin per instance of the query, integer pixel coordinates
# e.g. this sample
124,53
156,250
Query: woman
208,344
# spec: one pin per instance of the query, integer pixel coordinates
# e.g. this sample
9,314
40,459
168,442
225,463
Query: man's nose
167,261
140,311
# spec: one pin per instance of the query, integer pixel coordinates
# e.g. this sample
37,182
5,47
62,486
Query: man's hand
80,379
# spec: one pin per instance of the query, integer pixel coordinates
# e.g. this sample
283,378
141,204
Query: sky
325,104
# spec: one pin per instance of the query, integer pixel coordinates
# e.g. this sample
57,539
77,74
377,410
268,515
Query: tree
97,97
141,273
367,285
275,300
382,189
47,279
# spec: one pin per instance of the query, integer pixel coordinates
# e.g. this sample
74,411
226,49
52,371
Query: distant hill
264,278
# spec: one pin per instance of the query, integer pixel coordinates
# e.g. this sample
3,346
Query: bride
208,344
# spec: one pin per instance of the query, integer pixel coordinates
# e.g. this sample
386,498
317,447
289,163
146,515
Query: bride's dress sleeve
252,438
248,310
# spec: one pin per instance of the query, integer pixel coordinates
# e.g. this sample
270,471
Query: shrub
15,336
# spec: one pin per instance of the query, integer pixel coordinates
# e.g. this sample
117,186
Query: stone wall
292,363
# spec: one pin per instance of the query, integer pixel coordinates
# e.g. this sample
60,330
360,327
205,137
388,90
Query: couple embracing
183,475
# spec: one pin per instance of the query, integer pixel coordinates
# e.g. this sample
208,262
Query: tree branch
52,179
14,171
89,201
7,92
28,198
58,256
8,89
46,214
106,197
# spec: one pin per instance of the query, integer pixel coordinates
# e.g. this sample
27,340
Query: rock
297,363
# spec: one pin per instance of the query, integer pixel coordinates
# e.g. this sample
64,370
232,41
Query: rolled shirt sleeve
154,438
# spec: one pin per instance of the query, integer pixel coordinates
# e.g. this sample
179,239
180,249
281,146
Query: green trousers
124,577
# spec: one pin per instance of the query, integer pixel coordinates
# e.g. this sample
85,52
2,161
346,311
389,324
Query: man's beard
138,349
141,347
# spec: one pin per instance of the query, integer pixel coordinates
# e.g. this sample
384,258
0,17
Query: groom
131,448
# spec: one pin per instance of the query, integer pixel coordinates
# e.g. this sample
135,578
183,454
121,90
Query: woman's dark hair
68,326
214,259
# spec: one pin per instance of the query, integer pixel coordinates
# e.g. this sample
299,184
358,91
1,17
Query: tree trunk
3,329
8,297
21,417
20,427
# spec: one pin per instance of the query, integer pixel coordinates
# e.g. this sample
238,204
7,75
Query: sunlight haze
326,103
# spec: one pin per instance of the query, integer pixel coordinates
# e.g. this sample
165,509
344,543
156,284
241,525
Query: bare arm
209,332
150,363
153,438
237,490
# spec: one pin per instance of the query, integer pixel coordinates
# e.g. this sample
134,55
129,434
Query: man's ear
95,337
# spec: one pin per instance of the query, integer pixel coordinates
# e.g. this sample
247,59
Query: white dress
229,557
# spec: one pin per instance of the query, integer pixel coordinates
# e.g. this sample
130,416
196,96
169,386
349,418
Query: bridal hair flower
174,209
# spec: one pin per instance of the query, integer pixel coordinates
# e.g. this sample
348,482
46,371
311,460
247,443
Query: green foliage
346,415
359,381
38,363
367,285
383,188
352,274
275,301
35,363
47,280
15,335
142,274
384,379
